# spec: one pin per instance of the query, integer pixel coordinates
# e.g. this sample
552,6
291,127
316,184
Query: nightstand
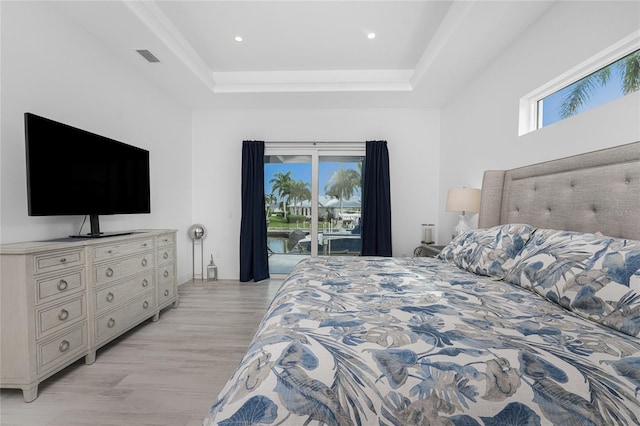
427,250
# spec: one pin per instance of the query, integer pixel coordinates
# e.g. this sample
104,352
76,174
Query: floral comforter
416,341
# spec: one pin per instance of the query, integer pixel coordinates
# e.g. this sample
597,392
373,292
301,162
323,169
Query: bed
533,318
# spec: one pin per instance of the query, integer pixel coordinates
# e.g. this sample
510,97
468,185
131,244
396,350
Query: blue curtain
376,201
254,260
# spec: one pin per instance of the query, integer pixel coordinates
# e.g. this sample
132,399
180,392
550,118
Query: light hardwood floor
160,373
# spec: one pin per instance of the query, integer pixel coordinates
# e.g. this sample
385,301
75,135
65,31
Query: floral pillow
595,276
489,252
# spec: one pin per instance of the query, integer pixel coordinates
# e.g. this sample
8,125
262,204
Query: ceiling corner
454,17
157,22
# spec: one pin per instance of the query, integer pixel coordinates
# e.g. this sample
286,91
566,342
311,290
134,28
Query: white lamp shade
463,200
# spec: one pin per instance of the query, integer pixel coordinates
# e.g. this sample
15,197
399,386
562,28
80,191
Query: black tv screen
75,172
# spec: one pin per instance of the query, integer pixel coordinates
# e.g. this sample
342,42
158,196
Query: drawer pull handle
109,272
166,293
109,251
144,245
62,285
63,315
165,255
111,323
109,297
145,305
144,262
166,274
64,346
63,260
145,283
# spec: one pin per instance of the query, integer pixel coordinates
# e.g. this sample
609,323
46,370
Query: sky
302,171
608,93
553,102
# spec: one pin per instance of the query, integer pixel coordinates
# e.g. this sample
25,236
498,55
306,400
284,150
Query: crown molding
454,17
161,27
312,81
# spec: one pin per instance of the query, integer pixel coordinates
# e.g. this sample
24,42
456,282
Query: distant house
351,208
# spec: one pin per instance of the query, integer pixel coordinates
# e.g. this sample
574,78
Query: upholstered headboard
596,191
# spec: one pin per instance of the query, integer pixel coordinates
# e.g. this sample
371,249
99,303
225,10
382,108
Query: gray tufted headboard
596,191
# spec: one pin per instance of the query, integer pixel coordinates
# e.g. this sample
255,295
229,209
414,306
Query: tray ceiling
307,53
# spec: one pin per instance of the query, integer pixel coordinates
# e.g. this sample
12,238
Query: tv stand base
102,234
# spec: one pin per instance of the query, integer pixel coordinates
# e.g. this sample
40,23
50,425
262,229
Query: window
609,75
312,201
607,84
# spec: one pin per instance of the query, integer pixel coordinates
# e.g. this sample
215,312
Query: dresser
62,300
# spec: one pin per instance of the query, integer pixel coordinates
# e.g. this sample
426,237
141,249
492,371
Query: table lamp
462,200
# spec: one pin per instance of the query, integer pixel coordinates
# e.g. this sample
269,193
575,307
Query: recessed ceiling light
238,38
371,36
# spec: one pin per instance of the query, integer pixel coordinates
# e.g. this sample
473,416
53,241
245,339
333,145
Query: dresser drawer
55,318
166,274
112,296
52,288
166,254
110,251
112,323
53,352
166,240
50,262
166,292
124,268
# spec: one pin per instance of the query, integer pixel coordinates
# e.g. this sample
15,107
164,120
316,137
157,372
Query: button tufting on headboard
594,192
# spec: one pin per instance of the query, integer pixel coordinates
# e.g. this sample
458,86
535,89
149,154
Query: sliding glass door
312,201
287,188
339,205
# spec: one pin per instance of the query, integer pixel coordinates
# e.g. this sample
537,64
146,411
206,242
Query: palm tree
628,69
281,183
299,191
342,184
269,199
631,79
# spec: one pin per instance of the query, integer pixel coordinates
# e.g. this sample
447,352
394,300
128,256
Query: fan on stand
197,232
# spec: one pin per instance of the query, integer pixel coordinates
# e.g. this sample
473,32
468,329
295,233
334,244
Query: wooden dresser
61,300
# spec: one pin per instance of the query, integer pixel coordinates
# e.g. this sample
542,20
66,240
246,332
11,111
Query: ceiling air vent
147,55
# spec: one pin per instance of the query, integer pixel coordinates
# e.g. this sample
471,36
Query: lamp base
461,227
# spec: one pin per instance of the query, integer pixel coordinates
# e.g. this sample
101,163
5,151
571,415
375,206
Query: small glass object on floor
212,271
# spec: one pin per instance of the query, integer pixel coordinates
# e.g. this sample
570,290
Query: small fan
197,232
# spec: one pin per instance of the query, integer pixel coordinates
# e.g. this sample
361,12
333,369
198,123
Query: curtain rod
314,142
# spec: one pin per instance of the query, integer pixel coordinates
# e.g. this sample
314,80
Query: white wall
53,68
412,135
480,125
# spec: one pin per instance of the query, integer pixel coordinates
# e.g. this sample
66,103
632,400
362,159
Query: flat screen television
75,172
